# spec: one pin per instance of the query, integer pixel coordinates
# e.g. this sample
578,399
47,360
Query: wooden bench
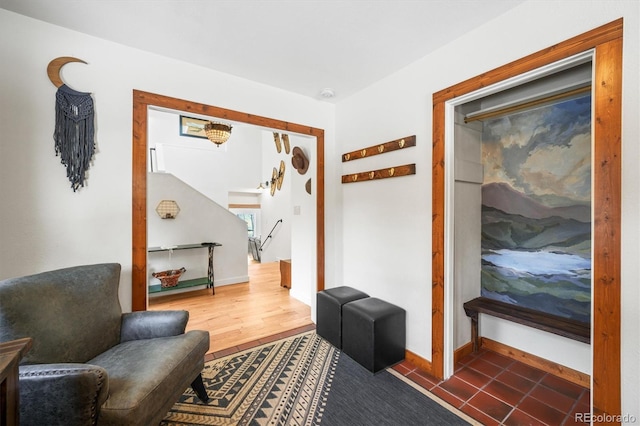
561,326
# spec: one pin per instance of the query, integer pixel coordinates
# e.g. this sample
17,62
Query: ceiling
302,46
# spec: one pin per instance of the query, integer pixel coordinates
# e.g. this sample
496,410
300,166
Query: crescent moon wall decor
54,67
74,130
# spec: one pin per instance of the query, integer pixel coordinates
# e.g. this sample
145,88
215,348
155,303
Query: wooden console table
208,280
10,355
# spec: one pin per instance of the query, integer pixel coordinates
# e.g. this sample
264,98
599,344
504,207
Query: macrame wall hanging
74,128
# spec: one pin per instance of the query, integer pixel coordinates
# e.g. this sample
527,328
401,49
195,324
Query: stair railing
269,236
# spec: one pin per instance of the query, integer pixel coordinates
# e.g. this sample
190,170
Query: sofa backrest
72,314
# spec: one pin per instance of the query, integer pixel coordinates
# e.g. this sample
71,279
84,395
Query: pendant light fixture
217,133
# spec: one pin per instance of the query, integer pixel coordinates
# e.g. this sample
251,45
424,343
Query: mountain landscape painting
536,209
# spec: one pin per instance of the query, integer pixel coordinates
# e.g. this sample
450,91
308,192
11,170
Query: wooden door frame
141,102
606,42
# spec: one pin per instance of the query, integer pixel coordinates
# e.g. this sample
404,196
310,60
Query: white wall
276,207
294,238
303,219
467,223
199,220
48,226
394,214
210,169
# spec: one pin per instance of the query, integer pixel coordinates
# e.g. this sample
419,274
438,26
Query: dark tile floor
489,387
496,390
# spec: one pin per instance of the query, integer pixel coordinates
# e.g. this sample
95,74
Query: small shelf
157,288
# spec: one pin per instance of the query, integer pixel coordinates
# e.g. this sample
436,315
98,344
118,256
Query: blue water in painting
540,262
552,282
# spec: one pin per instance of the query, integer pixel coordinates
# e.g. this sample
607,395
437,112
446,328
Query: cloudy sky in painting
543,152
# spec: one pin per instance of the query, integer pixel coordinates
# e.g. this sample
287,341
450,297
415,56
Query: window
250,219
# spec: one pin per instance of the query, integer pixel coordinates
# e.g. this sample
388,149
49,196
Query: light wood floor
243,313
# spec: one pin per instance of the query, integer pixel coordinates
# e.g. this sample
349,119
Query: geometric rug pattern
280,383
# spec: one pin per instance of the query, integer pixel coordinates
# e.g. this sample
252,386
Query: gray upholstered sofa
90,363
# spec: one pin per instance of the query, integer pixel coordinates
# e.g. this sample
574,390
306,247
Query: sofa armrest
62,394
151,324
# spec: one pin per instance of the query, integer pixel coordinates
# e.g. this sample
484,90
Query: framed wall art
192,127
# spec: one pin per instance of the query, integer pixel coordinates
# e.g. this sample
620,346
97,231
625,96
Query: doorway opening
142,101
606,45
519,182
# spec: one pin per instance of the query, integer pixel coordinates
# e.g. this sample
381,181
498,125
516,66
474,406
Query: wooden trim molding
437,242
244,206
11,353
141,102
462,351
420,363
607,196
581,43
574,376
569,374
531,360
606,41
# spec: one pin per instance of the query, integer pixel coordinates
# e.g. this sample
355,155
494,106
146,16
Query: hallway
241,313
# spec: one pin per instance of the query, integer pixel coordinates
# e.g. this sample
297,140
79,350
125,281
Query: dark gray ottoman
329,312
373,333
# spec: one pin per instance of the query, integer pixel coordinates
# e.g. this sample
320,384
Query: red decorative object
169,278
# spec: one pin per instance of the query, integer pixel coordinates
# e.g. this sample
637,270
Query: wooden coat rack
380,149
389,172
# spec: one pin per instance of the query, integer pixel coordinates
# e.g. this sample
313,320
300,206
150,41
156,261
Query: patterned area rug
284,382
303,380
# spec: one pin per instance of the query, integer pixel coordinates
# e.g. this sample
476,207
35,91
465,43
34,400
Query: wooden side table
10,355
285,273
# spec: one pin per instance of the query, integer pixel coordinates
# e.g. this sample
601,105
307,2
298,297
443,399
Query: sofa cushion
146,377
85,305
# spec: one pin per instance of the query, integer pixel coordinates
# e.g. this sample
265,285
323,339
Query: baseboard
569,374
461,352
421,363
574,376
232,280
